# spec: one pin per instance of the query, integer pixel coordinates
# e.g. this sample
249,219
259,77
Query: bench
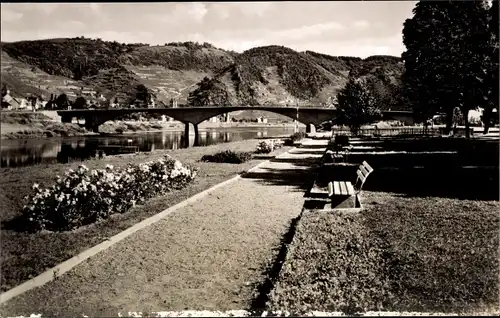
344,192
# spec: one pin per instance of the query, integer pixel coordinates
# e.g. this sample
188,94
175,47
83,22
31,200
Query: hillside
262,75
279,75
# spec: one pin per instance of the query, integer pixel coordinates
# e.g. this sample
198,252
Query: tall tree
446,56
356,106
80,103
62,101
492,79
210,92
4,90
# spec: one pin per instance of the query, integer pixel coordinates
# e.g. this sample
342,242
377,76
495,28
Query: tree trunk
486,118
467,126
449,121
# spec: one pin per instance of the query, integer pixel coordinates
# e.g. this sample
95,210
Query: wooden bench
344,192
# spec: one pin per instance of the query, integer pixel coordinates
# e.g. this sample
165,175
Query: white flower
110,167
36,185
177,164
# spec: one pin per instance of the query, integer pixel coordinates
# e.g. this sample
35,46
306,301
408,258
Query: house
14,103
173,103
262,120
34,102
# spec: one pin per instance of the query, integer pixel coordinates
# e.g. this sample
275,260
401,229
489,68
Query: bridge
193,116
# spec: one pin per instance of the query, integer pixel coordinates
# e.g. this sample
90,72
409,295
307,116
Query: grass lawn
27,255
399,254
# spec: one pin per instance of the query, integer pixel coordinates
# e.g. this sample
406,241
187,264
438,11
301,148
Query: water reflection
15,153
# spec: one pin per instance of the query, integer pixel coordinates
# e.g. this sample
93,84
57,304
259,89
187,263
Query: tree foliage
62,101
448,46
356,106
80,103
210,92
492,79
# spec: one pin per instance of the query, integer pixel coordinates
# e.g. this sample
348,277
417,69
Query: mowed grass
26,255
400,254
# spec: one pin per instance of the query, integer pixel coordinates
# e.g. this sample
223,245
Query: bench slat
343,188
361,176
364,171
336,187
367,166
350,188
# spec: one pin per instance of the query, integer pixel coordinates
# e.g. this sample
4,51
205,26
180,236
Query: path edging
67,265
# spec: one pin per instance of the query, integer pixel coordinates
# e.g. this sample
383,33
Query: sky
350,28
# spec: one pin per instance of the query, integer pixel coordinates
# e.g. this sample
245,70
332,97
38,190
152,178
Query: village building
262,120
173,103
13,103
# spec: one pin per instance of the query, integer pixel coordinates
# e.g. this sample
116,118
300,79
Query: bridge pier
66,119
91,124
310,128
189,130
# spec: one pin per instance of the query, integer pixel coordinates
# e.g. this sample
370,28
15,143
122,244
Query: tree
492,79
209,92
62,101
4,90
445,59
356,106
80,103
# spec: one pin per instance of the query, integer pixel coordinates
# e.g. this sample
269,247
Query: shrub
298,136
268,146
295,137
83,196
228,156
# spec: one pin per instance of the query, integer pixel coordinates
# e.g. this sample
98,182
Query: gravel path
209,255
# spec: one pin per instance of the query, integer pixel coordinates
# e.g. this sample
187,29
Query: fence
394,131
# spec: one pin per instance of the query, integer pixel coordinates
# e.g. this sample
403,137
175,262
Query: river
24,152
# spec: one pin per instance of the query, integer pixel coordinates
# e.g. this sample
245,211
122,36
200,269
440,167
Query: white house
262,120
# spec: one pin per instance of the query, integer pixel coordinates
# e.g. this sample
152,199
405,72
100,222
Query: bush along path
213,254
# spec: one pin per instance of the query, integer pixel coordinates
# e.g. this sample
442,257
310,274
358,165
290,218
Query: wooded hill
261,75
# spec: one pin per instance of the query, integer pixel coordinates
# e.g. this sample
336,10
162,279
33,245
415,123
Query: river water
24,152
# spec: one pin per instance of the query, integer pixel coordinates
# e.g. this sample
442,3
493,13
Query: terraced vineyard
259,76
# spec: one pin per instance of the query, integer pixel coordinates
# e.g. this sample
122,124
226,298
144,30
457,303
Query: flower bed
228,156
83,196
268,146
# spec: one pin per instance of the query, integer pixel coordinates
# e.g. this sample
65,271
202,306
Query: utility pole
297,117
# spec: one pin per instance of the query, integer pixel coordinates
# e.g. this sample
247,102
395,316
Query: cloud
46,8
10,15
253,8
308,31
361,24
196,10
95,7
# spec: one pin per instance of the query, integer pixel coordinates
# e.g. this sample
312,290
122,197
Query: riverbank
24,125
128,127
43,250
